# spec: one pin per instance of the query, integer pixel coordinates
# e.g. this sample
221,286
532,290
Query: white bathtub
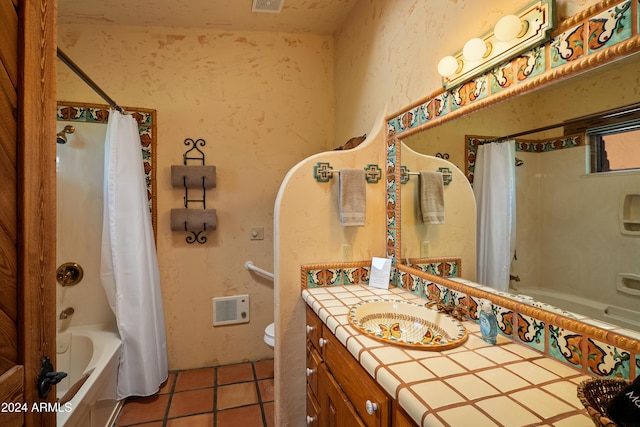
90,356
583,307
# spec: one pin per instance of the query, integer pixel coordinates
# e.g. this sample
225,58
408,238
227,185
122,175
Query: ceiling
297,16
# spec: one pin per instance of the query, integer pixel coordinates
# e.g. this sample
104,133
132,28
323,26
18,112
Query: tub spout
66,312
515,278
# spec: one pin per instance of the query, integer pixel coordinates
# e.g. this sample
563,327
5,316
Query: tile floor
221,396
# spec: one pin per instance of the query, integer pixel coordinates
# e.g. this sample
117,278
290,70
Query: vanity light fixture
512,35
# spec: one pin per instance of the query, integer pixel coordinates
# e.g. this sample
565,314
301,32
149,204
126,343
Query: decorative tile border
443,267
472,142
577,344
595,351
335,274
99,113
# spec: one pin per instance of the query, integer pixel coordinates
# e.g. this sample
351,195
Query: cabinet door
363,391
335,409
402,419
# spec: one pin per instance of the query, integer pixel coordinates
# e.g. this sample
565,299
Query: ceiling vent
267,6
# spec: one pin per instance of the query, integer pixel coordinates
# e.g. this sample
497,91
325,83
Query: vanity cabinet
340,393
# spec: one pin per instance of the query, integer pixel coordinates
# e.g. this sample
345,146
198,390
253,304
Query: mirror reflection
571,249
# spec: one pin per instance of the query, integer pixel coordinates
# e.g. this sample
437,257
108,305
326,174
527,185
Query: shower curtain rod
69,63
628,109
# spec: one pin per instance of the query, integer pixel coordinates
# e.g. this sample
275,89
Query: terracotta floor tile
167,386
266,390
264,369
247,416
231,396
240,372
269,414
143,409
202,420
191,402
195,378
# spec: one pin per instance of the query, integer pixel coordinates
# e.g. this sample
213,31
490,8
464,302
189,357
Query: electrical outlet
347,252
424,249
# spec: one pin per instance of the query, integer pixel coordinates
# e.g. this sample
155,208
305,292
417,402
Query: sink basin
407,324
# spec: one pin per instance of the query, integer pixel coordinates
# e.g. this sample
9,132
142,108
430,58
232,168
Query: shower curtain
494,186
129,265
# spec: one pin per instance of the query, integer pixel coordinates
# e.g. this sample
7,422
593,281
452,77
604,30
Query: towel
432,197
352,200
191,176
193,219
624,407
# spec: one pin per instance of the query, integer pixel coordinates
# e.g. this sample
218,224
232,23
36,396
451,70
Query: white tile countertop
507,384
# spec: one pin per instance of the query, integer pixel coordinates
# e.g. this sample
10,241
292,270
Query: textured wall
263,102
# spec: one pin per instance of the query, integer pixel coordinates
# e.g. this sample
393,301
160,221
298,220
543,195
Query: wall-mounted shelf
193,176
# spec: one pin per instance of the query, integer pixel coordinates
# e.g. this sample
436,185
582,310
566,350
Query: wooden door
335,408
27,206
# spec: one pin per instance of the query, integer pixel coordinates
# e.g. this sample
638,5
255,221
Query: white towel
432,197
352,200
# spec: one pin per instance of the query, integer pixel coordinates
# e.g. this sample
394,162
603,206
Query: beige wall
263,102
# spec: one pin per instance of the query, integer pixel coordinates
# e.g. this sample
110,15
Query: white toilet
270,335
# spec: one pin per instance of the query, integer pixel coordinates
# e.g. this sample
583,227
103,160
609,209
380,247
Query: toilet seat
270,335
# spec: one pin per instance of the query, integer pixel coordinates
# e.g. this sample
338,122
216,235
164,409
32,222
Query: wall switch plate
424,249
347,252
256,233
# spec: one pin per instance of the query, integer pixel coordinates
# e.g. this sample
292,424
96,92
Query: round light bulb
448,66
508,28
474,49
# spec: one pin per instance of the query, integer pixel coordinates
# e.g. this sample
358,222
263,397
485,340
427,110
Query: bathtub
582,308
90,356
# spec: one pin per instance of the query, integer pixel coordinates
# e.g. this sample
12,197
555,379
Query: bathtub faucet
66,312
512,277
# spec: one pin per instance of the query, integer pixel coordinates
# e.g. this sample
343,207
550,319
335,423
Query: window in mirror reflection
615,148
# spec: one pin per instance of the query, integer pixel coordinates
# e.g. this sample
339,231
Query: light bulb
509,27
476,49
449,66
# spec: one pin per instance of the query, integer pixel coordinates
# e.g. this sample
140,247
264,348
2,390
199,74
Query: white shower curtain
129,268
494,186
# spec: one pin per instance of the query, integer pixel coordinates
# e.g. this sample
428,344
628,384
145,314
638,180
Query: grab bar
249,266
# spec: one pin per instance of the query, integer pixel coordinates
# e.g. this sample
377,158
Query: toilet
270,335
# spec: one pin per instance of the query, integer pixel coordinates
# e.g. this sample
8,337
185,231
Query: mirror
570,250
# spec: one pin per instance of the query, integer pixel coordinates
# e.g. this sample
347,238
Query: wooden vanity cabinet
339,390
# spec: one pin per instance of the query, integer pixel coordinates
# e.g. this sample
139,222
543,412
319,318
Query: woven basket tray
596,393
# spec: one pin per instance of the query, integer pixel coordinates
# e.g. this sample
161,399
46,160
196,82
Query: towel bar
447,175
323,172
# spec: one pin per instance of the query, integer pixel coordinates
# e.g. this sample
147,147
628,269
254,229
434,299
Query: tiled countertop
477,384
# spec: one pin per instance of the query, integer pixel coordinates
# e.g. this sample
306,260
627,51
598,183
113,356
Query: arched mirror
572,250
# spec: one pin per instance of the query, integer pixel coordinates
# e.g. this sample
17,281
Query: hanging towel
432,197
352,200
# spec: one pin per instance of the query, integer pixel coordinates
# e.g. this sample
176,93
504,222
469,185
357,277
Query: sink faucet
456,311
66,312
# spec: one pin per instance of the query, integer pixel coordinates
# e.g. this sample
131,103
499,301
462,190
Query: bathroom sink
407,324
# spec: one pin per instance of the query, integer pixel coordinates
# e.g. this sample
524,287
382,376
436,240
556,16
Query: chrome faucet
66,312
